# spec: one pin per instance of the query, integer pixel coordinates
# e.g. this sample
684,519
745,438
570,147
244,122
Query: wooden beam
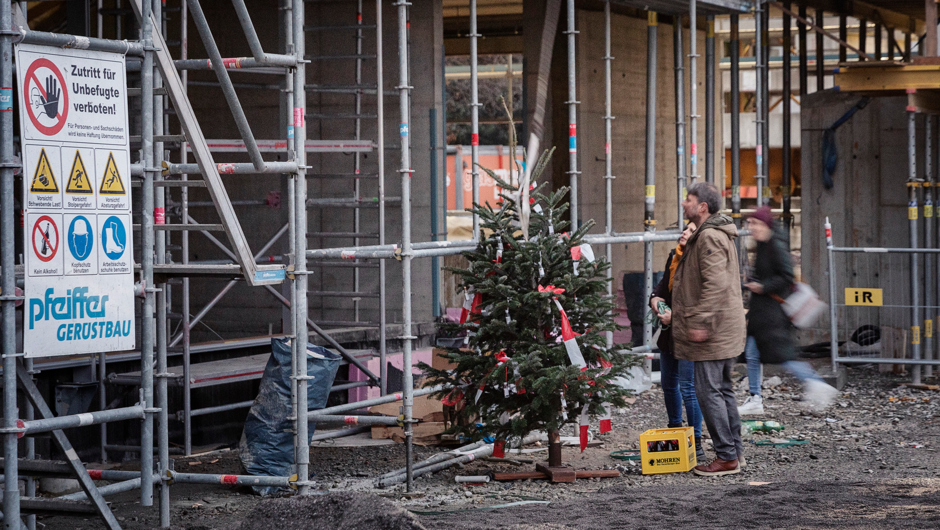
881,77
930,40
926,101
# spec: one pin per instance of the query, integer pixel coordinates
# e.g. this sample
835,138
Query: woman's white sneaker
819,395
752,406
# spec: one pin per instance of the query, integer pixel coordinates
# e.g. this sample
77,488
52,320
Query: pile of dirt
337,511
717,504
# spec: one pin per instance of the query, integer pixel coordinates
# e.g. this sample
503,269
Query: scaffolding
163,92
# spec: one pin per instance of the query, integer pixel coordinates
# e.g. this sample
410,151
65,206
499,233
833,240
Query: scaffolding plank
41,506
215,373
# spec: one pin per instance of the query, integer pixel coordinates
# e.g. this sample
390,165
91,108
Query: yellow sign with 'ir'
861,296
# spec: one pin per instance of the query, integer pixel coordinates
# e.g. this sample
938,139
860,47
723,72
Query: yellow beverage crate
667,450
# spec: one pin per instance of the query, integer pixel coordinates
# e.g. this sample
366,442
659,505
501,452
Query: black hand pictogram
51,101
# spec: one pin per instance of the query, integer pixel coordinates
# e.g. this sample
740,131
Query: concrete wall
247,311
244,310
628,73
867,205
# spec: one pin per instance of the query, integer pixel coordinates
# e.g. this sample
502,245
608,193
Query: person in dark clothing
770,335
677,376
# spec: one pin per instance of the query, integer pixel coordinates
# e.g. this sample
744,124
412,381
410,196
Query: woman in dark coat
677,375
770,335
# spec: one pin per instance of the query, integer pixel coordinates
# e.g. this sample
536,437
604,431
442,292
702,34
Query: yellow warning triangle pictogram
44,178
111,183
78,178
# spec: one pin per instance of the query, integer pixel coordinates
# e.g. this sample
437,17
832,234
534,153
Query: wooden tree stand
554,471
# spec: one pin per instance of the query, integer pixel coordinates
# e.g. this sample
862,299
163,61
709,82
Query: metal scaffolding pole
608,161
147,253
804,59
299,307
878,36
680,119
11,499
929,259
935,316
28,363
380,150
693,91
161,401
843,36
764,72
184,243
474,123
758,101
31,449
863,39
649,206
357,163
787,153
406,171
912,185
710,100
572,117
735,122
820,52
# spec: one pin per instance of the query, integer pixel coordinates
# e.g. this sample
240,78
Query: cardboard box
425,433
424,406
439,361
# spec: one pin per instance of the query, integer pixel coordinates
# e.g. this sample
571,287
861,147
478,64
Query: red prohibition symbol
48,98
44,246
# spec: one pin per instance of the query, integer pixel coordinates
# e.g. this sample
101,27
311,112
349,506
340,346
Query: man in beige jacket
708,322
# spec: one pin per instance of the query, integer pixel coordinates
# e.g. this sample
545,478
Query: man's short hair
708,194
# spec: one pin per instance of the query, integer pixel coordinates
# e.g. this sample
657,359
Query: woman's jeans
677,378
800,369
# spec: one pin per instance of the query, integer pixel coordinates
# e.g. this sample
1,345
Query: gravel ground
870,462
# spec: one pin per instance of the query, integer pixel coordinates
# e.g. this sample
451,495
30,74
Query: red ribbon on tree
452,399
570,339
467,305
583,423
501,358
551,289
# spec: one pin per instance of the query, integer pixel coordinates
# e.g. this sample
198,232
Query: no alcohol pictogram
45,238
47,96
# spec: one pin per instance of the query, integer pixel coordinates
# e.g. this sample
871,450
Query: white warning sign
79,287
72,95
43,169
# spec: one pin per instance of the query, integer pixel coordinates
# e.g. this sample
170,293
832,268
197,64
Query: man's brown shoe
717,468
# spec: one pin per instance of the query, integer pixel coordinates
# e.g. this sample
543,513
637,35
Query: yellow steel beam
887,77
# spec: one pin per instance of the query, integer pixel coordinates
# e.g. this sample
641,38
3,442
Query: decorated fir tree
535,355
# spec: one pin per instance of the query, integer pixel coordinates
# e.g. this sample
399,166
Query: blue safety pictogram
81,238
113,238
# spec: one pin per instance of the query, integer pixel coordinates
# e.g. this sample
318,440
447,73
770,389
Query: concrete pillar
532,26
